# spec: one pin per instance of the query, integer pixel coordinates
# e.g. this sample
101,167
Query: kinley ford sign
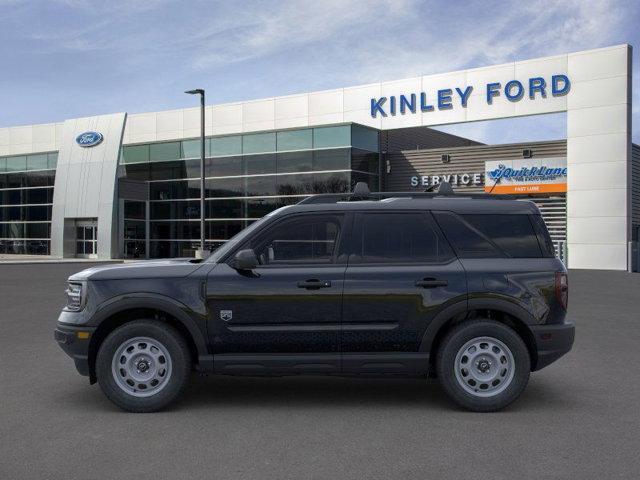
445,99
518,176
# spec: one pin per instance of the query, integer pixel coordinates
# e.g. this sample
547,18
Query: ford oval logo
89,139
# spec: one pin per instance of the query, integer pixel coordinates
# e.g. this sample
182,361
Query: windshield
240,237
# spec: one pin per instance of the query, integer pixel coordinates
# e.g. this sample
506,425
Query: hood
173,268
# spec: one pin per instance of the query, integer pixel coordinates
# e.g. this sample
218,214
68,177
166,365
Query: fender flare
156,302
438,322
464,306
504,305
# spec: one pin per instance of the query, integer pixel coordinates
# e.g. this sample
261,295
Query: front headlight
75,296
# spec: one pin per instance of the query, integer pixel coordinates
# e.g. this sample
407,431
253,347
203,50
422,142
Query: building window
328,137
247,176
334,159
135,154
364,138
160,152
26,196
295,140
135,229
259,143
295,162
260,164
224,146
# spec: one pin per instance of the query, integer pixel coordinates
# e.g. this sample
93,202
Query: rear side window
544,239
514,234
491,235
467,241
399,237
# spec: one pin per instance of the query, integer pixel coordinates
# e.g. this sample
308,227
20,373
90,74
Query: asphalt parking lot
579,418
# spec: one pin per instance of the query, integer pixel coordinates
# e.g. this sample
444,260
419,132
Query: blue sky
72,58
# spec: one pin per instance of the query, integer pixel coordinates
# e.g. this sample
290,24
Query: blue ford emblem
89,139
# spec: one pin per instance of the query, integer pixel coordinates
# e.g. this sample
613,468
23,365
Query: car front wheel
483,365
143,365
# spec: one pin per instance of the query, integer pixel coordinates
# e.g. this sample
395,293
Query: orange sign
526,176
518,189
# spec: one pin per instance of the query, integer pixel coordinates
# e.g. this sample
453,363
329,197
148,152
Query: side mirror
245,260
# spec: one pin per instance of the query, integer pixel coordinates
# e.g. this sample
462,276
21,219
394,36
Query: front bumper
552,342
75,343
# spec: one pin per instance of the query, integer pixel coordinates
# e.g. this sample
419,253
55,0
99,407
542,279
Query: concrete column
599,158
86,182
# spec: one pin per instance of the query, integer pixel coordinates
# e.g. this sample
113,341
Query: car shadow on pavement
308,392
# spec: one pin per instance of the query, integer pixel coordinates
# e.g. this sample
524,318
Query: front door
285,315
401,273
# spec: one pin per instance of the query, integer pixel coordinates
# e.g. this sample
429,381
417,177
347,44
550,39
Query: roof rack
361,193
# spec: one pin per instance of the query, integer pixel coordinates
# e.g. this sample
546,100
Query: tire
483,365
143,366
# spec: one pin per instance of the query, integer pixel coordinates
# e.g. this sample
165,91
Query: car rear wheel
483,365
143,365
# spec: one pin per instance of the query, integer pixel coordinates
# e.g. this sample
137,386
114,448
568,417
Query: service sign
526,175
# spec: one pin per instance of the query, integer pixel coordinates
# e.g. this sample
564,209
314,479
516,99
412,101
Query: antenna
361,192
494,185
445,189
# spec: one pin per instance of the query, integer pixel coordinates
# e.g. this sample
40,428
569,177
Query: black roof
454,203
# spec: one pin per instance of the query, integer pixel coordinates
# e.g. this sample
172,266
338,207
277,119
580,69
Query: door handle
314,284
431,283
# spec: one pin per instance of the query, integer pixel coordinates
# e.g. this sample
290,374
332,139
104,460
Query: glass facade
247,176
26,197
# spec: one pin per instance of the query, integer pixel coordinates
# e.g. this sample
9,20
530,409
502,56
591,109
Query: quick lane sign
543,175
446,99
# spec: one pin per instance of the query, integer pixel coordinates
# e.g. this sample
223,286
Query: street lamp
201,253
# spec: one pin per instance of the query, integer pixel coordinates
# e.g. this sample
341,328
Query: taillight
562,289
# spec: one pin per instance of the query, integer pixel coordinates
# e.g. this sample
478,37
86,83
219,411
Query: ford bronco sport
464,288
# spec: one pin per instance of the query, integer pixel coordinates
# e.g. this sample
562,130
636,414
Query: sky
72,58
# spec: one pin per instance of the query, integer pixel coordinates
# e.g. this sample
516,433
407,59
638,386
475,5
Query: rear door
401,273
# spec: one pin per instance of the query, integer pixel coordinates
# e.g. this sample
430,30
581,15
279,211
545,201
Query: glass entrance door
87,239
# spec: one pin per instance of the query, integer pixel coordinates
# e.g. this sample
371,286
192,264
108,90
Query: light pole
201,253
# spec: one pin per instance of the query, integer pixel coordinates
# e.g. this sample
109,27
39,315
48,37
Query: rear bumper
75,343
552,342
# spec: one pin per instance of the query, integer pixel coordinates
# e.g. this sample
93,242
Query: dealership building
127,185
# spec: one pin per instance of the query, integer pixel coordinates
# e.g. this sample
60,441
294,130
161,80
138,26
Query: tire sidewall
177,349
460,335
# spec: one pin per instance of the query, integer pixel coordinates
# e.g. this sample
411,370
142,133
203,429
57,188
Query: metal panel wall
417,138
410,163
470,159
635,185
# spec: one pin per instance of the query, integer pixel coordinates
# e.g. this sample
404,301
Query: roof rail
359,194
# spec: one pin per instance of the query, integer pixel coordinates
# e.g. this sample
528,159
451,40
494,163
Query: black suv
464,288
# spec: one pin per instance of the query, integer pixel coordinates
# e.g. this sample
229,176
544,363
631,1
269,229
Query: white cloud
289,25
290,46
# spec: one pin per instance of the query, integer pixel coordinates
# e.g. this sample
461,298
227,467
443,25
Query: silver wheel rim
141,366
484,367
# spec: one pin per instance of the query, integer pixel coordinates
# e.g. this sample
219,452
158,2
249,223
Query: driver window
309,239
